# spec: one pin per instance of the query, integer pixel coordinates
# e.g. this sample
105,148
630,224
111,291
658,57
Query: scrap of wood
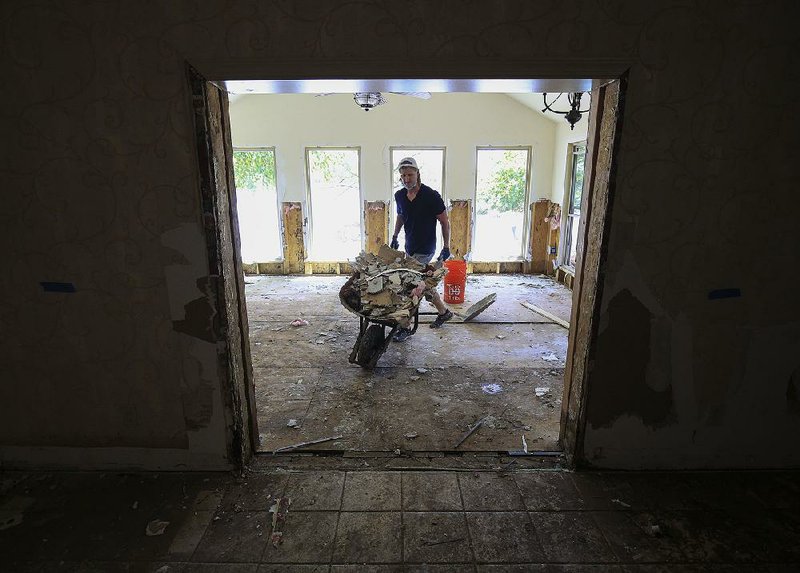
469,432
546,314
279,511
476,308
309,443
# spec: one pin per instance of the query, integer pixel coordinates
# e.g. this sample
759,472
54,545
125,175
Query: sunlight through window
431,169
257,205
577,160
334,204
500,199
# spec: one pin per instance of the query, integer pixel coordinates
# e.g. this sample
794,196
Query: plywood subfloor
425,392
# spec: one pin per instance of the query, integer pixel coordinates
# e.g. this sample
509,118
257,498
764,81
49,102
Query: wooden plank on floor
376,224
460,227
546,314
294,252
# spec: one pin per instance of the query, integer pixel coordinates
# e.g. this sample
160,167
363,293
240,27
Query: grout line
210,521
338,518
610,545
402,525
466,523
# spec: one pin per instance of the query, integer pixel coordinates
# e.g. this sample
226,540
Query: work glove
445,254
394,244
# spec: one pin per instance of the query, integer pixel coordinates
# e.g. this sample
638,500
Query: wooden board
592,236
275,268
511,267
294,252
539,235
484,268
546,314
460,227
376,223
552,248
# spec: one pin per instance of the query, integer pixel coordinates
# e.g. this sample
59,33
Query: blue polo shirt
419,218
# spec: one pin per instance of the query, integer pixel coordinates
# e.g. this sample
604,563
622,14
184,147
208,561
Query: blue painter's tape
724,293
57,287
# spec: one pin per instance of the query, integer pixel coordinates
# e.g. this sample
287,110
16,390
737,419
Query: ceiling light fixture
574,114
368,100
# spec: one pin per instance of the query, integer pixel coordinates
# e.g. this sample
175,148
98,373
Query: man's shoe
441,319
401,334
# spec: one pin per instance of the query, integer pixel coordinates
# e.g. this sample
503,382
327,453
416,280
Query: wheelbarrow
372,339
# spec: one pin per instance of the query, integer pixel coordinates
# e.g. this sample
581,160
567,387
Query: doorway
249,397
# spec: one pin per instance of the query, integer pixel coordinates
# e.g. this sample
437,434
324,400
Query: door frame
605,128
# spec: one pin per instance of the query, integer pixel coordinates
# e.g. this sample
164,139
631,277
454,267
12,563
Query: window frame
567,208
525,206
393,180
309,216
277,195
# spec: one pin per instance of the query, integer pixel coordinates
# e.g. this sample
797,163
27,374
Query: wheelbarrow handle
386,272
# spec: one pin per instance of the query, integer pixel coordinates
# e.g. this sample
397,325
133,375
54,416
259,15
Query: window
257,204
334,201
431,168
576,160
500,198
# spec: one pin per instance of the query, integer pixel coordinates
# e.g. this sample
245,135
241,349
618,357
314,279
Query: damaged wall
101,191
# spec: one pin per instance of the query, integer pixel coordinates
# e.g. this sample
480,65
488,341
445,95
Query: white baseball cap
407,162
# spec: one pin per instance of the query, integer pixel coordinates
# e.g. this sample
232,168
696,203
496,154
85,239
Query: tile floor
386,521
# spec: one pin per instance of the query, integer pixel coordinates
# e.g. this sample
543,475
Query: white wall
460,122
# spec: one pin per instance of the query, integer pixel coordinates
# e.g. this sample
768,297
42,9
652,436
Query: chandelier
574,114
368,100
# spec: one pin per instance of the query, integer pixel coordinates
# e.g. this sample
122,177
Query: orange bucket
455,281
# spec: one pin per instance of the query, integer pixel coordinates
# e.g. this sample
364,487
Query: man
418,209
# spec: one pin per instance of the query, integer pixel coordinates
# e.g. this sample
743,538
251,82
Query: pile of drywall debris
388,286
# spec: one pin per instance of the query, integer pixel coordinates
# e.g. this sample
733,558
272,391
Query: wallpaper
100,191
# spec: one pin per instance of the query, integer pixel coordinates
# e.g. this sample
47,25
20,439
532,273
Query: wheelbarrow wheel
371,347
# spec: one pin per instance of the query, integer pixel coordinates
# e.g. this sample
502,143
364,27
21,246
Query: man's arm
398,224
445,222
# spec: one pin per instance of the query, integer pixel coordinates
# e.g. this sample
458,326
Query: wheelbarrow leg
362,328
379,351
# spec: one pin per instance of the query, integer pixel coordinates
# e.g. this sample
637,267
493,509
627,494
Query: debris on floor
422,370
476,308
550,357
411,436
544,313
541,391
654,530
491,388
299,322
279,511
469,432
292,423
304,444
156,527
